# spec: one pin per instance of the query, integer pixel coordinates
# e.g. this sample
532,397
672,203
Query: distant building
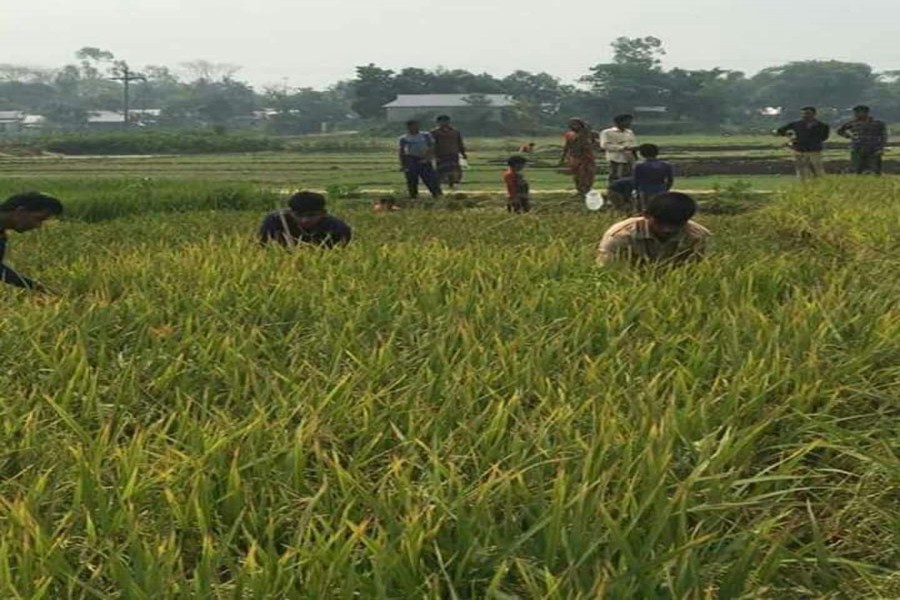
109,120
11,121
659,110
463,106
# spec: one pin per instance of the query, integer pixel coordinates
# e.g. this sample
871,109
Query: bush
151,142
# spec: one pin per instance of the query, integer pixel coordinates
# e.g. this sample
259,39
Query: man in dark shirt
449,148
653,176
868,139
305,221
22,213
808,137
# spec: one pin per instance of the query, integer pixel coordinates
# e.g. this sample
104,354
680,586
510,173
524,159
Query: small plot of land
703,163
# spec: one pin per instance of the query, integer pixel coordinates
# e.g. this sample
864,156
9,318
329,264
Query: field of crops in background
458,405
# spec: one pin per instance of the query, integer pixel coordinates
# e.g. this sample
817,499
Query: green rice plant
459,404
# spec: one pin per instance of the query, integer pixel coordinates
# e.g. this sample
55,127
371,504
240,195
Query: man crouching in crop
305,221
21,213
664,233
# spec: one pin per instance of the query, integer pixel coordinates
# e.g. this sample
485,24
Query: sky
313,43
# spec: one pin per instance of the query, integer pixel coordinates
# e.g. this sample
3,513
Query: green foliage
457,405
151,142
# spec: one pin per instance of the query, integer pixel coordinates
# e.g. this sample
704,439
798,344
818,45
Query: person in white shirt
619,142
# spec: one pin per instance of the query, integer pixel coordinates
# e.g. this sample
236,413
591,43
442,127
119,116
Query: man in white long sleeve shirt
619,143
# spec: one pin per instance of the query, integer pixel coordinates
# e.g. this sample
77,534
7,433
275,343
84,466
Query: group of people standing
868,140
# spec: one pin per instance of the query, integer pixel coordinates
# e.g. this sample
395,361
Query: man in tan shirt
664,233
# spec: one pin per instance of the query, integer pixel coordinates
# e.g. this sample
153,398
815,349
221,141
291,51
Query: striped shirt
631,240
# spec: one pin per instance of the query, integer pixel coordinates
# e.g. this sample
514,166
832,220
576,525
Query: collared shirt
631,240
516,185
448,142
653,176
8,275
279,227
809,136
870,135
615,141
416,145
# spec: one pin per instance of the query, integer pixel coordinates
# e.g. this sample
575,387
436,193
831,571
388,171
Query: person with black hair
619,142
305,221
653,176
416,160
868,140
517,189
21,213
808,137
664,233
449,149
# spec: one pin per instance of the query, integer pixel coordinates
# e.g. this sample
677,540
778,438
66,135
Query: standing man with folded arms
868,139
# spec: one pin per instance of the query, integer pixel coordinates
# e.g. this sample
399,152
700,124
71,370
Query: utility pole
127,77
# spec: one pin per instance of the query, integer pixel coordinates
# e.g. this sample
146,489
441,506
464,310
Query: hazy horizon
321,42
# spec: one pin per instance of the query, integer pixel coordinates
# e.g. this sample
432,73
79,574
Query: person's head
623,121
577,124
649,150
307,209
668,213
517,163
24,212
861,112
443,121
808,113
413,126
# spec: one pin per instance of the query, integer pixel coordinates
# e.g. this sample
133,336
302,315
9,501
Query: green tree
823,83
373,88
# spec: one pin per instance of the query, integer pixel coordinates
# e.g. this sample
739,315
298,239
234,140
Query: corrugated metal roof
11,115
449,101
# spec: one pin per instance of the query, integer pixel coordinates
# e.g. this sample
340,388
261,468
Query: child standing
653,176
517,190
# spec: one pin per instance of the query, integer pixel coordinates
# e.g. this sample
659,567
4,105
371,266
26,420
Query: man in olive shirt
808,137
868,139
449,148
664,233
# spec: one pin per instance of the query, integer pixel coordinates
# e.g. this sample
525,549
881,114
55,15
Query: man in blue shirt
22,213
305,221
416,156
653,176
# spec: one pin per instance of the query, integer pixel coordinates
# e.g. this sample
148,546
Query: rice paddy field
460,404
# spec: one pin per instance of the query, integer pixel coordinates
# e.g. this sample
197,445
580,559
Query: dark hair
442,118
517,161
649,150
810,108
622,119
861,108
307,203
33,202
671,208
412,122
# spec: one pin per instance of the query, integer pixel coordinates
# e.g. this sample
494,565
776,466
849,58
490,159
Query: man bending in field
22,213
305,221
664,233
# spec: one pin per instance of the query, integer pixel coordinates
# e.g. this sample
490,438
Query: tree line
205,94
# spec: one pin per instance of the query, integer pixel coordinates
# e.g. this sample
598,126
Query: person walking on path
664,233
449,148
579,155
416,155
305,221
868,139
808,137
653,176
619,142
21,213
